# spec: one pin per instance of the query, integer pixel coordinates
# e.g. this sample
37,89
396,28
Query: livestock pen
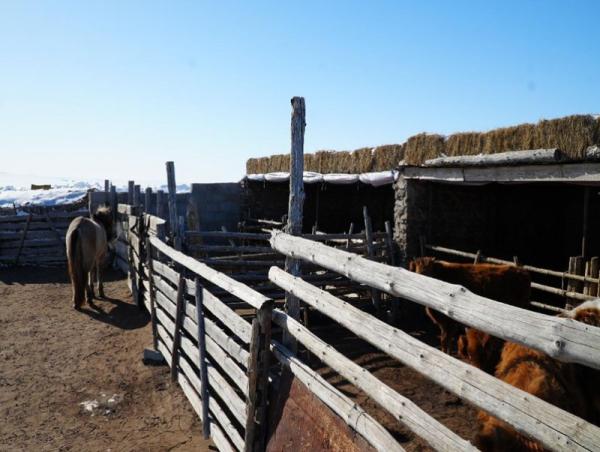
231,317
231,347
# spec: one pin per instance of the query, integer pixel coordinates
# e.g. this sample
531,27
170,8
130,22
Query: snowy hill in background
16,188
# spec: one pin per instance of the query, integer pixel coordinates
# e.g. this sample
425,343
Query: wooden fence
579,283
561,338
221,362
35,238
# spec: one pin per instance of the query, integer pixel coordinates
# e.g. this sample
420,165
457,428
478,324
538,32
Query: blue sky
114,89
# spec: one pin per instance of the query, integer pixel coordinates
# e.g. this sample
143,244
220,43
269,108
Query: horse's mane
103,215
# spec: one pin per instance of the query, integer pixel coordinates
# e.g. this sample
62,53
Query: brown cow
504,283
572,387
480,349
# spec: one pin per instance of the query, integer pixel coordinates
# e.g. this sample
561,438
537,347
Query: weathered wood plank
553,427
234,287
535,156
224,341
187,383
560,338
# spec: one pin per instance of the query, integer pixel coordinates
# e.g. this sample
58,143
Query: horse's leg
90,285
99,279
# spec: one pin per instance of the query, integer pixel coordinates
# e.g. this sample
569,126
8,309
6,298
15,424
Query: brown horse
87,244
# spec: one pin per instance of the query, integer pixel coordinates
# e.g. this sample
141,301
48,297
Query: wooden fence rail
553,427
561,338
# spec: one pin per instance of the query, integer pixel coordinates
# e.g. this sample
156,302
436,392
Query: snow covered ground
16,189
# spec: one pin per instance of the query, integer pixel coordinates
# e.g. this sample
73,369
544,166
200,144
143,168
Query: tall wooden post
148,200
173,218
202,369
258,379
152,294
375,294
130,188
106,192
296,203
137,195
114,201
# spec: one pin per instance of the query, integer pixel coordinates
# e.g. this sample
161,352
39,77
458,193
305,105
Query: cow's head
422,265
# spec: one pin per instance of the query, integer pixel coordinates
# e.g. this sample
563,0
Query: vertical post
576,267
106,192
375,295
179,315
594,274
258,379
160,204
148,200
586,203
130,188
296,203
478,256
389,242
350,232
114,203
203,374
150,265
173,218
137,195
141,233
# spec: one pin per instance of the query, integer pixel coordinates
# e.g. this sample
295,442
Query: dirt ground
75,381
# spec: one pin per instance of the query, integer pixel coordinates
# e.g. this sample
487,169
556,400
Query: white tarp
376,179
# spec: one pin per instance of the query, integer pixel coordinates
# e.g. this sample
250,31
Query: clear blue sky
114,89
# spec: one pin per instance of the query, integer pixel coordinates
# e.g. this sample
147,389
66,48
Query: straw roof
571,134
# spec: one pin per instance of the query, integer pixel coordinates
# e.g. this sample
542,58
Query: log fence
561,338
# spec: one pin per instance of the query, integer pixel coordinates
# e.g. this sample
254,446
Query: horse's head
103,216
422,265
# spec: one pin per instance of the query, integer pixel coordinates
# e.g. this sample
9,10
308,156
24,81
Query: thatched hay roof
571,134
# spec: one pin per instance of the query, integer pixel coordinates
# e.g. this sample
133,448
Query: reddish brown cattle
572,387
480,349
504,283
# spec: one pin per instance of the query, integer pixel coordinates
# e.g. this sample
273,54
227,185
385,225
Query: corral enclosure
234,322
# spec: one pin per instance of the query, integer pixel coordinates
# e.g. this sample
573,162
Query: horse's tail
75,258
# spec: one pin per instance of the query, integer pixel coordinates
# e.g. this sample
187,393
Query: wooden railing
35,238
561,338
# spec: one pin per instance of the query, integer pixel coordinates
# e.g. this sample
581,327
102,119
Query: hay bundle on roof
422,147
387,157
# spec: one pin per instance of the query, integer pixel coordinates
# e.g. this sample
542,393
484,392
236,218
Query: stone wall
212,206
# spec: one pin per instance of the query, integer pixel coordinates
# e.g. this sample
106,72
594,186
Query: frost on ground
16,189
104,405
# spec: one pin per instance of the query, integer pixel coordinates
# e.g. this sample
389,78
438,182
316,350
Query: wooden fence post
258,379
296,204
114,203
137,195
173,218
106,192
160,204
202,370
350,232
148,200
375,294
141,233
150,265
576,267
179,315
130,188
594,270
